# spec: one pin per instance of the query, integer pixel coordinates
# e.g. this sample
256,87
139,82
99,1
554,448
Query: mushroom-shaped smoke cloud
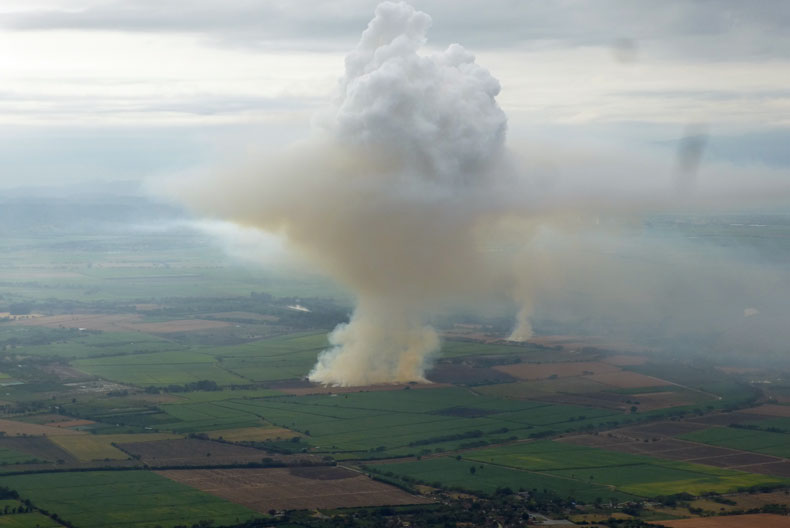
405,174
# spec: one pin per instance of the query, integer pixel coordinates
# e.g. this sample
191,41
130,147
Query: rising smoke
406,194
391,196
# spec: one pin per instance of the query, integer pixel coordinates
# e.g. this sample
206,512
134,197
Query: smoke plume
390,196
406,194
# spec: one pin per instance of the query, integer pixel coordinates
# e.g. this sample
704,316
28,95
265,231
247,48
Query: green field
138,499
102,344
205,416
704,379
11,456
633,474
283,358
411,421
391,422
289,357
487,478
768,443
28,520
164,368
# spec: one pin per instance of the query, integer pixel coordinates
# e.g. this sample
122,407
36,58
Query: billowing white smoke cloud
407,195
433,130
391,196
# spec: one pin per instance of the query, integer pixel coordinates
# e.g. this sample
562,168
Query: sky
108,90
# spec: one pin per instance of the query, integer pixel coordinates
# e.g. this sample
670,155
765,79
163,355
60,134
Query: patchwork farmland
185,410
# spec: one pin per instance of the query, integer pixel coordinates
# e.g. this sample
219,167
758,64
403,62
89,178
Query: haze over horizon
128,89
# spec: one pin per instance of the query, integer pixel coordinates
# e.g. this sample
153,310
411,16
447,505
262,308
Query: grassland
410,421
138,499
283,358
12,456
28,520
390,422
206,416
102,344
164,368
486,478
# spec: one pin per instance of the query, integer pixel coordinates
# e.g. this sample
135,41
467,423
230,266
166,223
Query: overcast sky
127,89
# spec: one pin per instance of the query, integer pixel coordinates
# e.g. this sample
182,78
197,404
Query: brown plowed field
12,428
782,411
535,371
465,375
662,429
756,500
759,520
777,469
293,488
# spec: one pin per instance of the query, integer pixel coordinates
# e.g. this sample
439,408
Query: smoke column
391,196
406,194
433,129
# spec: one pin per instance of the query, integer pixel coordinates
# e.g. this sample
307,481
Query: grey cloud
707,28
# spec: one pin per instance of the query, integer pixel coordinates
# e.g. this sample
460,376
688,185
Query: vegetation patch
139,499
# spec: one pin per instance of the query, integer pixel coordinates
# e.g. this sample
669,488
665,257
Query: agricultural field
663,440
100,447
294,488
139,499
28,520
34,449
530,371
475,476
782,411
15,428
125,364
194,452
757,441
409,421
13,456
633,474
253,434
164,368
763,520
